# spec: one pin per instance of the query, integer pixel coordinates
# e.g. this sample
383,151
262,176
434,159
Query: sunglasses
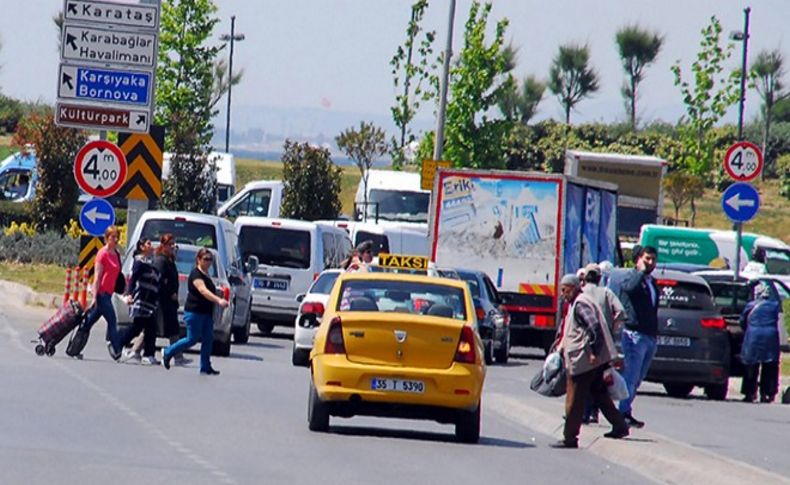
207,258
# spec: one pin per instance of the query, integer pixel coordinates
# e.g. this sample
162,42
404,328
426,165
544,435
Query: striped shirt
144,287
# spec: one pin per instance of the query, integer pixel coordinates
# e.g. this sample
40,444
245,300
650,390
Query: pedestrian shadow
240,356
422,436
262,345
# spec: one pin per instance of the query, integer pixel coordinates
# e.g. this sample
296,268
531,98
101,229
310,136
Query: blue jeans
639,350
103,308
200,327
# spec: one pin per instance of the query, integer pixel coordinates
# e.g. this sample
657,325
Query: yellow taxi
398,345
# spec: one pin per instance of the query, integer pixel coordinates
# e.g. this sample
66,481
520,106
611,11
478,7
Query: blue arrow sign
96,216
105,85
740,202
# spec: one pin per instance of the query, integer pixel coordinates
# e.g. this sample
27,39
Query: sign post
741,201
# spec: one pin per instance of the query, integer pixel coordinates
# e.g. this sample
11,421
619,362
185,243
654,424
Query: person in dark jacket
165,262
760,349
143,298
641,326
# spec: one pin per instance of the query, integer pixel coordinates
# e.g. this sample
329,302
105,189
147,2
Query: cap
592,268
570,279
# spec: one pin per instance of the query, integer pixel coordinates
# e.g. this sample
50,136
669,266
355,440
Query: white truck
524,230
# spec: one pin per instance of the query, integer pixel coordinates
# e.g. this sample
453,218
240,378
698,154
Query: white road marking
654,456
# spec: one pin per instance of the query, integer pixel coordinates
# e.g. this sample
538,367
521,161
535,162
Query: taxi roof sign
403,261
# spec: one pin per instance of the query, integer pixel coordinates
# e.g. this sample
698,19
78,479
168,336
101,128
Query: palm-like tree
637,48
767,72
522,104
571,78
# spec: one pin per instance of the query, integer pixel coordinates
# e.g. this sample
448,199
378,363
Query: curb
29,297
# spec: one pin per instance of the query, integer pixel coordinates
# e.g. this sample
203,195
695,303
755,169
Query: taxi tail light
313,307
717,322
465,353
481,314
334,338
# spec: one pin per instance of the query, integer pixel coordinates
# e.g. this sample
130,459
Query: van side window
255,203
330,249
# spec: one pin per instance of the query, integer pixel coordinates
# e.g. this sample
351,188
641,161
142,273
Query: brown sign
633,179
94,117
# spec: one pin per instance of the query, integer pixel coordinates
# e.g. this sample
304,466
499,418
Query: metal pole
739,225
230,82
438,145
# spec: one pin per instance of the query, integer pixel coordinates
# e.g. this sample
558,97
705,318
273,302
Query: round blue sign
740,202
96,216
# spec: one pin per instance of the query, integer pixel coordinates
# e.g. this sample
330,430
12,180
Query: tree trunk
693,212
568,114
633,103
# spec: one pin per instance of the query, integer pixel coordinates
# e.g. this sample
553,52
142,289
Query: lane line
654,456
139,419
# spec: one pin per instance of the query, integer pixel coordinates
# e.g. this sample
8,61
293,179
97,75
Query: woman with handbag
143,299
760,349
107,279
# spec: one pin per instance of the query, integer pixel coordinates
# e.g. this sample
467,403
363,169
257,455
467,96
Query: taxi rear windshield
684,296
273,246
185,232
402,297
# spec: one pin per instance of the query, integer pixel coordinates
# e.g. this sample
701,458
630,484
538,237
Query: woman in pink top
107,269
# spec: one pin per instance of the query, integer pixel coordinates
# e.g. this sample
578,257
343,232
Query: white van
257,198
388,238
291,254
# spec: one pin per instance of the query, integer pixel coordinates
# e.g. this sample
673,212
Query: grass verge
43,278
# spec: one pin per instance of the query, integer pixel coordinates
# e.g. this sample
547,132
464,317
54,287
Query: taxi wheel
467,428
317,412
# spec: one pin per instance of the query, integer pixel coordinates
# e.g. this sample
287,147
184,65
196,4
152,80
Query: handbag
120,280
550,381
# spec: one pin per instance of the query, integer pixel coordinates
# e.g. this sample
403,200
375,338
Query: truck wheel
467,427
317,412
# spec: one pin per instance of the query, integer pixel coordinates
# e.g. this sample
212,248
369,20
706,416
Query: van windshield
777,261
274,246
399,205
185,232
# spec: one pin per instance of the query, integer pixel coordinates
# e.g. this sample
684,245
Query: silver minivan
291,254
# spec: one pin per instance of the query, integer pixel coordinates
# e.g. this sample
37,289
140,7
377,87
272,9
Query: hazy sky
334,54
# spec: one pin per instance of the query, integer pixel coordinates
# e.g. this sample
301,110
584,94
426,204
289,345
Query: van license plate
270,284
397,385
673,341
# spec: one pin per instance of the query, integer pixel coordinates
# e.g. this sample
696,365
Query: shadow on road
527,356
262,345
273,335
422,436
236,355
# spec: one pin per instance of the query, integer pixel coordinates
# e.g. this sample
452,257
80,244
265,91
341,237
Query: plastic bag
615,384
550,381
551,365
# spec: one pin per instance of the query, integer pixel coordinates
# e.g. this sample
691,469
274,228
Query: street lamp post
233,37
439,136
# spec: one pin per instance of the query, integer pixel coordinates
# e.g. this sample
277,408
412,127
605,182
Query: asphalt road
65,420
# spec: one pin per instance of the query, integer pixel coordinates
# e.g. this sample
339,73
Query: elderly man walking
587,348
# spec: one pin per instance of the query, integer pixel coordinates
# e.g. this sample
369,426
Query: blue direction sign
740,202
105,85
96,216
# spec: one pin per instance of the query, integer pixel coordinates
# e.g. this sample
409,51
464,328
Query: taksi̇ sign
740,202
743,161
100,168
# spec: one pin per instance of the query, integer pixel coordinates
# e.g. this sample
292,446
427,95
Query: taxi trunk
389,339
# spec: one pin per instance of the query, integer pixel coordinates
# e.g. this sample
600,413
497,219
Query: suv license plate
397,385
673,341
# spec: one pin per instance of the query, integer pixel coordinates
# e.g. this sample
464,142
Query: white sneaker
129,354
149,360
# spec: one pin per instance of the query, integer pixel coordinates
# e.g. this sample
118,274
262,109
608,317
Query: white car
312,304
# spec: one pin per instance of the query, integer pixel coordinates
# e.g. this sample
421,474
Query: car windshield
684,295
399,205
185,232
403,297
274,246
185,261
323,285
14,184
777,261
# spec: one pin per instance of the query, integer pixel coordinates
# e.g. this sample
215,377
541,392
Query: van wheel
717,392
266,328
467,428
317,412
680,391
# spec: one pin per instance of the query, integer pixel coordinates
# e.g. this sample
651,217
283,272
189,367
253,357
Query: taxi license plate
270,284
397,385
673,341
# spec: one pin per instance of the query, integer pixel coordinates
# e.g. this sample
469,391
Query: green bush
48,248
18,212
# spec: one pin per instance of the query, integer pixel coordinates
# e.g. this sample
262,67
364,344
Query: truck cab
258,198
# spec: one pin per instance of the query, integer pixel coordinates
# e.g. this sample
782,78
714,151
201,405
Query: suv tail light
313,307
717,322
225,292
334,338
465,353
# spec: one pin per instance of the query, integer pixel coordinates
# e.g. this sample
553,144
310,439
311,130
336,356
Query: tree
56,148
184,92
521,104
707,101
682,188
223,80
312,183
363,146
767,72
407,71
783,164
476,84
638,48
571,78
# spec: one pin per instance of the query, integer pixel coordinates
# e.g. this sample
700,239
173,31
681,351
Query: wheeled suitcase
68,317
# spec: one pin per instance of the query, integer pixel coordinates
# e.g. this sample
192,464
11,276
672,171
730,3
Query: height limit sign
743,161
100,168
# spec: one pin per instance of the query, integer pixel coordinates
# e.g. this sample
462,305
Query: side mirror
300,297
252,264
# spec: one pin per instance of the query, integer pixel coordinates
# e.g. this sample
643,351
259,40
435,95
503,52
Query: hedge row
47,248
20,212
